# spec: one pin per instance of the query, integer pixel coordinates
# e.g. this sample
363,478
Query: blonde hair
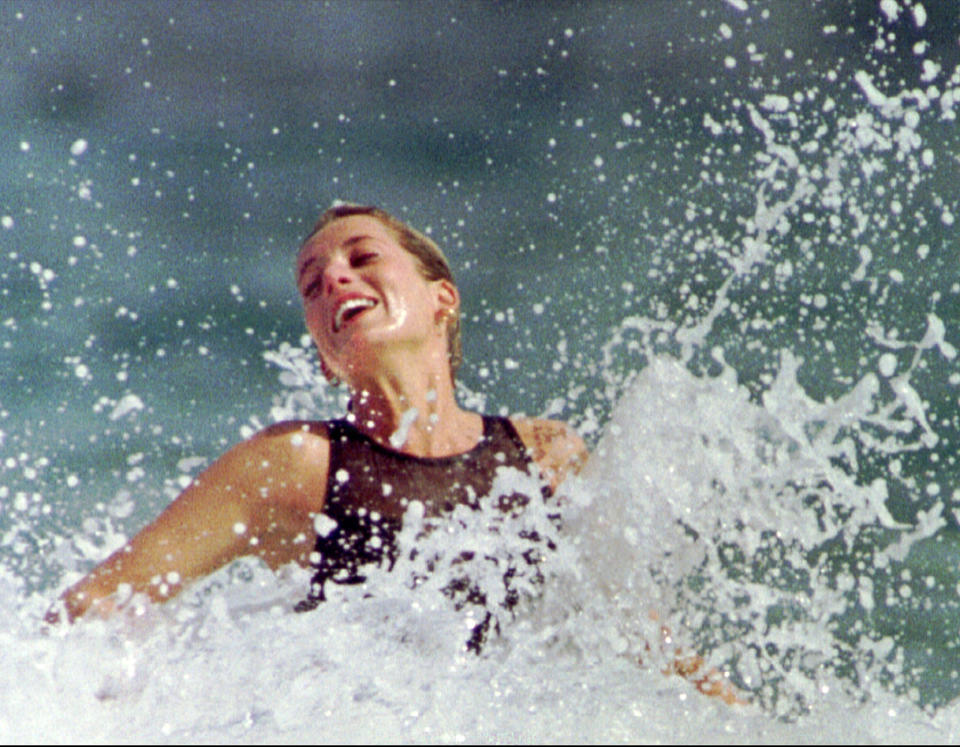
431,260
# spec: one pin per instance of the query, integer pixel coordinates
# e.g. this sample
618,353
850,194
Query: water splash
775,478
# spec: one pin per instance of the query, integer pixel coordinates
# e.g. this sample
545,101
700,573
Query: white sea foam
399,437
684,459
127,404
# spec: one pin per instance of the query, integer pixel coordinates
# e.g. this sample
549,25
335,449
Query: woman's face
362,292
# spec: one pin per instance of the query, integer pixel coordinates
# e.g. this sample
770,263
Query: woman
382,307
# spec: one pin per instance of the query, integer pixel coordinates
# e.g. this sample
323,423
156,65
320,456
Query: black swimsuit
369,487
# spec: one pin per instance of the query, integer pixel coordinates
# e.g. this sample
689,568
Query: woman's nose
336,275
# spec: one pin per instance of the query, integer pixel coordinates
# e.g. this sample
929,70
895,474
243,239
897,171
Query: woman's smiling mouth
350,308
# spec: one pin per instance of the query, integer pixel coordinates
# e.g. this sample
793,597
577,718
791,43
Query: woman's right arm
257,499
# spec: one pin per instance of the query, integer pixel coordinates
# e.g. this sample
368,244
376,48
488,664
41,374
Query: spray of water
770,410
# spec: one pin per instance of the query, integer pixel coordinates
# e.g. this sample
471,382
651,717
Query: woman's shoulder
299,437
296,429
554,445
288,460
303,443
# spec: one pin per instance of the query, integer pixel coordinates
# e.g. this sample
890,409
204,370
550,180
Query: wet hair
431,261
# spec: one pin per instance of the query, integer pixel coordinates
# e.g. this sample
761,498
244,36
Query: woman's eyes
312,287
359,259
362,258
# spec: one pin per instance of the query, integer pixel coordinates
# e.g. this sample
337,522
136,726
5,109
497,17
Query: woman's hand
711,682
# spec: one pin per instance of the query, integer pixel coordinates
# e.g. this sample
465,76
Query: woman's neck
416,413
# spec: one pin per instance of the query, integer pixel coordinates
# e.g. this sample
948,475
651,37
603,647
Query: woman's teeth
349,308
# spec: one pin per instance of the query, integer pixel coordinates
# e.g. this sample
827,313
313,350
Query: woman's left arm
556,447
559,451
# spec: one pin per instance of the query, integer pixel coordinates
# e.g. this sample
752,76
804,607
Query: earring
447,317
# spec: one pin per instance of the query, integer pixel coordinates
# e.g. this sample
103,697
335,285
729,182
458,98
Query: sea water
750,314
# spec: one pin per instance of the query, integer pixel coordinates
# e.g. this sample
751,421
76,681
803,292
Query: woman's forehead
342,233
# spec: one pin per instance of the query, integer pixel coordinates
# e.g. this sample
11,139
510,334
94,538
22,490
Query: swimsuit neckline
485,438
